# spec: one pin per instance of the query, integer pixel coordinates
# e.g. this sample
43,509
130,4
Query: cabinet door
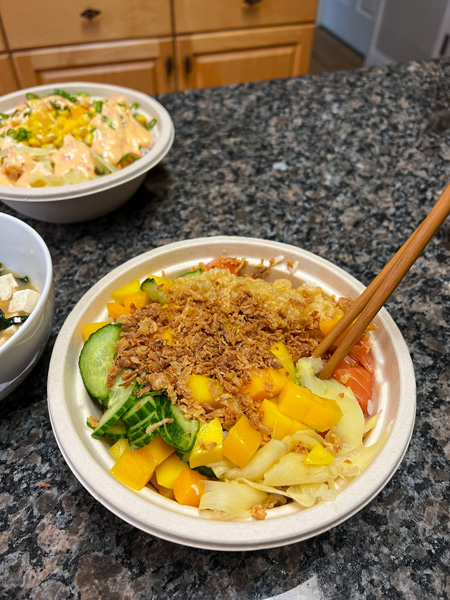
8,81
208,60
144,65
197,16
32,24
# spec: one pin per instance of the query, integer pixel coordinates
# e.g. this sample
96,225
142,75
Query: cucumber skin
88,362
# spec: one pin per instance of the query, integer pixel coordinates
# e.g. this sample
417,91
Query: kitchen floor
331,54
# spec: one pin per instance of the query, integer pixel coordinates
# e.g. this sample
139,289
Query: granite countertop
345,165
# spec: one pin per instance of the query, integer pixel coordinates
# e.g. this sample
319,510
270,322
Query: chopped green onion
25,279
108,121
31,96
98,105
151,124
65,95
134,106
87,94
4,116
20,135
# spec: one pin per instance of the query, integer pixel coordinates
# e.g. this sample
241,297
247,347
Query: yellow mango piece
164,283
208,445
90,328
166,492
265,383
134,467
299,403
318,456
119,447
159,449
284,357
204,389
280,423
167,335
168,471
241,442
137,299
126,290
116,310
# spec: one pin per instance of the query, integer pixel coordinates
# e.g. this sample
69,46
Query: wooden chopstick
376,294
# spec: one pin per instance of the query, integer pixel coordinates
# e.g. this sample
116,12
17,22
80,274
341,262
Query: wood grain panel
8,82
194,16
141,65
31,24
207,60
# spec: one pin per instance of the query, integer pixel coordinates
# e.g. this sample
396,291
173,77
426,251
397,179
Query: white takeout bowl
24,251
91,199
90,460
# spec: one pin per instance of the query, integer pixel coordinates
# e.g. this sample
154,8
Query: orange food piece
358,379
301,404
138,300
265,383
280,423
241,442
220,263
90,328
116,310
189,487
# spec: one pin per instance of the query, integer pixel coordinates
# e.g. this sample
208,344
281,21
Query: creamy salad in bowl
70,137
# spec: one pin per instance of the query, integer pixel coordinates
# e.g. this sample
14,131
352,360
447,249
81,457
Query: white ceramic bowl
91,199
24,251
90,461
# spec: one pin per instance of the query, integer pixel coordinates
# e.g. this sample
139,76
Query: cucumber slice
137,434
96,357
116,431
197,272
121,399
153,291
144,407
182,432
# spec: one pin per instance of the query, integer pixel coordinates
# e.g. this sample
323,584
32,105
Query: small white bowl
24,251
90,460
96,198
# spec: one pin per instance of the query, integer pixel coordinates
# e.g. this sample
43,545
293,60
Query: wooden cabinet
144,65
207,60
8,82
155,46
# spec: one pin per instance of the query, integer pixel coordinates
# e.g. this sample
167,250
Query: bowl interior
24,251
163,135
90,460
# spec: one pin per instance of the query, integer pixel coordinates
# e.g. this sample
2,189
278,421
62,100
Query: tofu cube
23,301
7,285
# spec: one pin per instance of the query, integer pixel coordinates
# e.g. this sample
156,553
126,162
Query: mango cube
126,290
301,404
265,383
90,328
204,389
119,447
167,472
241,442
280,423
318,456
208,445
284,357
134,467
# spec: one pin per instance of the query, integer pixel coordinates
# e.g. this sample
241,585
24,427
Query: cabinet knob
252,2
187,65
90,13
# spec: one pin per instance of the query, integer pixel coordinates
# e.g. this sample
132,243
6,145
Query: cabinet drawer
8,81
192,16
2,40
31,24
212,59
144,65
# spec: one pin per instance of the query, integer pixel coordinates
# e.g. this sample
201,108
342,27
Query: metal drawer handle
252,2
90,13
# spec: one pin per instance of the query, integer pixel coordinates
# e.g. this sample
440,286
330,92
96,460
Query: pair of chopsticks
376,294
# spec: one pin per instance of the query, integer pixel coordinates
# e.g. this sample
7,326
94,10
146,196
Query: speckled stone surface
345,165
